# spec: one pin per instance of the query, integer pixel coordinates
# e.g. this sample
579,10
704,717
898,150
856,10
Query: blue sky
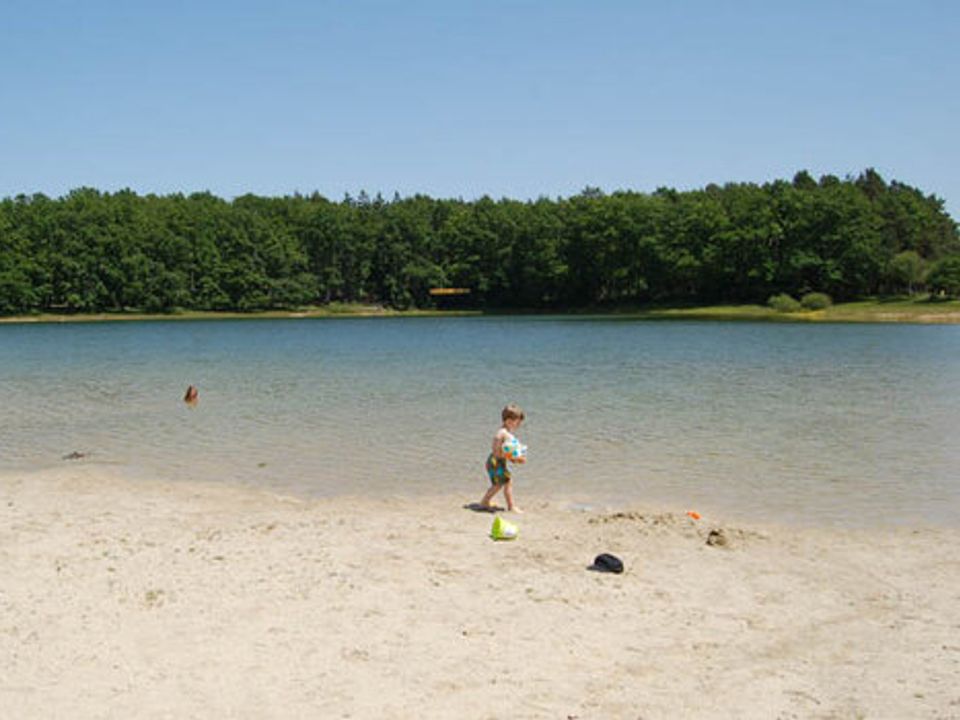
462,99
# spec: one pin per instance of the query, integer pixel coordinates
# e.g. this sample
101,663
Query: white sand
133,600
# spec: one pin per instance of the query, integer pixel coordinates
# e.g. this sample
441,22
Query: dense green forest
92,251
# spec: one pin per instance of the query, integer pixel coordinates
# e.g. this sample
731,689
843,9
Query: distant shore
897,310
334,310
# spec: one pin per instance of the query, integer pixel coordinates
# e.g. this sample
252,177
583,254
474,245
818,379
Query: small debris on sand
717,538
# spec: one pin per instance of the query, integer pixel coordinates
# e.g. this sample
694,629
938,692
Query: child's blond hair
512,412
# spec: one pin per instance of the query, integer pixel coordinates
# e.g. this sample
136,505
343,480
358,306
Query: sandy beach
123,599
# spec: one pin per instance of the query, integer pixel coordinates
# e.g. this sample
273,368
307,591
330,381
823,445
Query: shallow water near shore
824,424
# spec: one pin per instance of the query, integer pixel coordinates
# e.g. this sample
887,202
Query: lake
800,423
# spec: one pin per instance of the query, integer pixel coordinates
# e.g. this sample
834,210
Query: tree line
92,251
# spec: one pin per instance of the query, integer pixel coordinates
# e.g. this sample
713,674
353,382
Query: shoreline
918,311
192,315
163,599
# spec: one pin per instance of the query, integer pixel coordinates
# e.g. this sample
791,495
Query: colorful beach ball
515,450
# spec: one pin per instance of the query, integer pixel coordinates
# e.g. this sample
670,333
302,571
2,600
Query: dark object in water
605,562
191,396
75,455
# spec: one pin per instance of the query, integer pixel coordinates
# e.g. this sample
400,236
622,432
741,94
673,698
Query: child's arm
498,440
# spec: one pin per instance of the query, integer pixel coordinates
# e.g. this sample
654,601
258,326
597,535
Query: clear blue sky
462,99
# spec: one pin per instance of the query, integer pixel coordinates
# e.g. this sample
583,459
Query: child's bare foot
516,510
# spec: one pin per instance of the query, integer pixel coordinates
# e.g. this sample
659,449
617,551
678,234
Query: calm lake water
813,424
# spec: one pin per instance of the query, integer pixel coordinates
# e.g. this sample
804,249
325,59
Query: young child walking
497,469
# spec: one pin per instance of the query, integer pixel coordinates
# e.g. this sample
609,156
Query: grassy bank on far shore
894,310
